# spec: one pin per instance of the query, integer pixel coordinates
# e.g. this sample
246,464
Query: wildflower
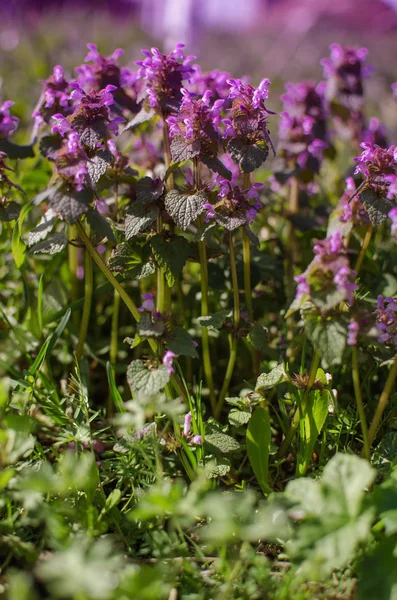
328,280
8,124
386,320
164,76
196,122
215,82
196,440
148,303
71,161
187,424
379,167
55,98
354,212
235,206
168,360
248,113
105,71
394,89
345,71
375,133
353,330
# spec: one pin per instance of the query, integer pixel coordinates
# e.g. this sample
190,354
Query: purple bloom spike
8,124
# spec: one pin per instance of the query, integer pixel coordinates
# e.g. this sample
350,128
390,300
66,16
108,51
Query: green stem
364,248
128,301
297,416
160,298
114,328
88,292
233,337
383,401
73,264
205,340
167,155
247,260
359,402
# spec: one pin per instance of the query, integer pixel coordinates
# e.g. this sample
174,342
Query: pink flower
168,360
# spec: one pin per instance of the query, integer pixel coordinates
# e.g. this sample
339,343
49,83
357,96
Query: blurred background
283,40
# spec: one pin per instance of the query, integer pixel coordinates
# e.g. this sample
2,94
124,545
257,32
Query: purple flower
215,82
168,360
375,133
303,132
379,167
55,98
353,330
328,272
187,424
197,121
394,88
303,288
164,76
8,124
71,161
196,440
61,125
386,317
148,303
393,216
248,113
235,207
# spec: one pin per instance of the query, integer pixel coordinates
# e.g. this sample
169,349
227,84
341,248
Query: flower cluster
164,75
386,321
379,167
215,82
8,123
105,71
195,440
235,207
303,130
354,212
328,280
345,70
248,113
197,121
71,162
55,98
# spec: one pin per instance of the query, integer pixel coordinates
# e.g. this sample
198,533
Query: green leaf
334,518
239,417
147,328
248,156
71,205
45,226
222,442
216,320
185,208
50,343
133,259
98,164
53,244
144,381
377,207
328,336
258,338
100,225
267,381
258,446
311,425
378,572
182,150
218,469
149,190
213,163
384,456
143,116
14,151
18,246
181,342
117,399
171,255
139,217
9,211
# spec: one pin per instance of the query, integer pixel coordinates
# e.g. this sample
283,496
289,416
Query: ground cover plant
198,310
